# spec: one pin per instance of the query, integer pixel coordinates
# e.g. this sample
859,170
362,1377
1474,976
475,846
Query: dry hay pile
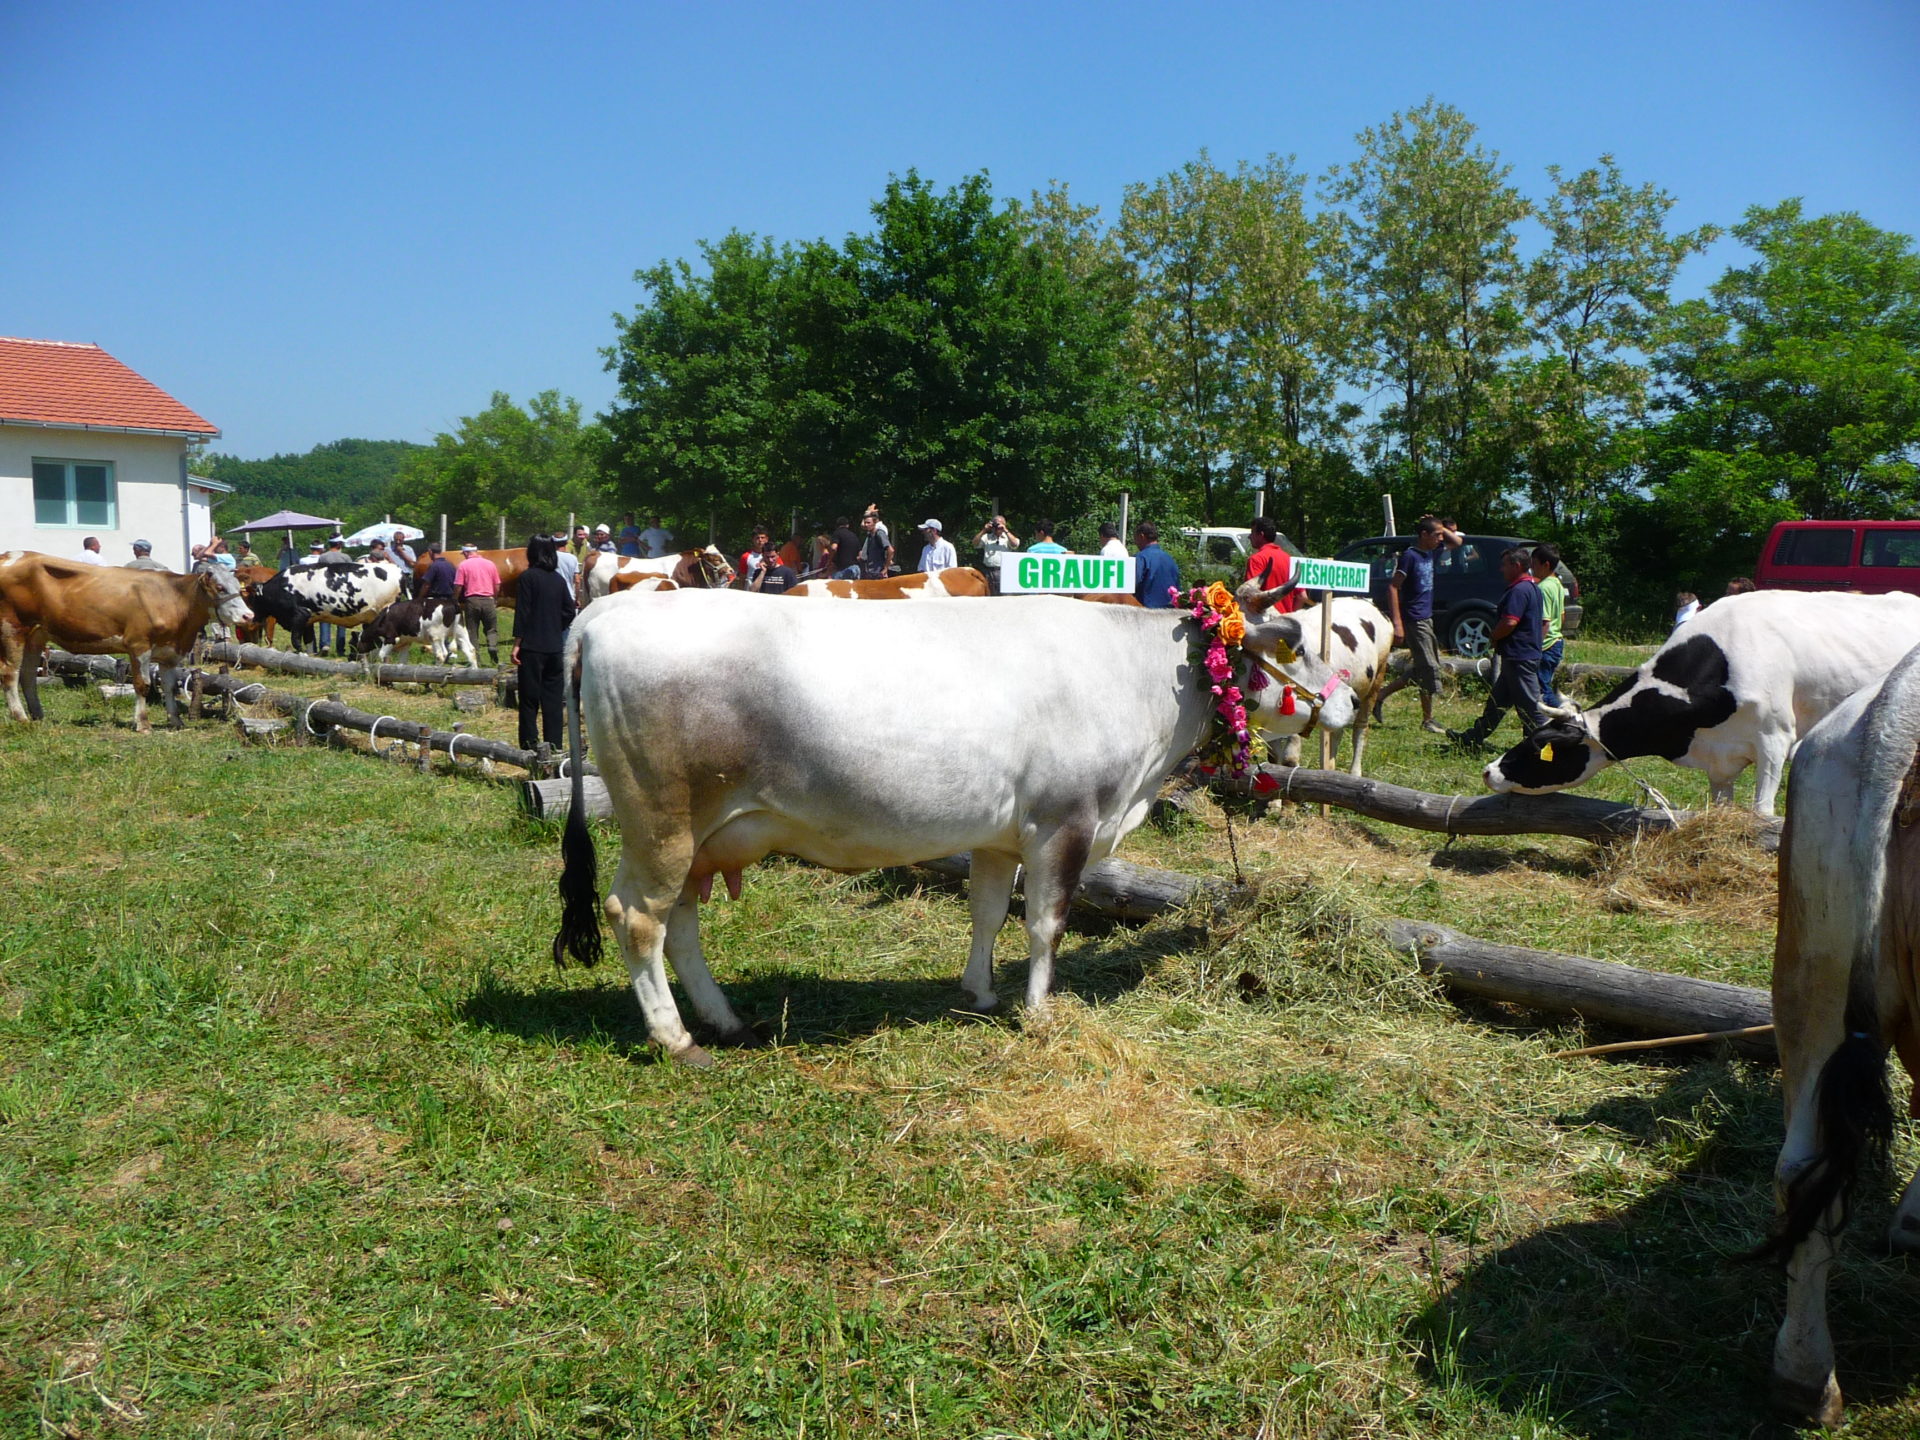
1712,868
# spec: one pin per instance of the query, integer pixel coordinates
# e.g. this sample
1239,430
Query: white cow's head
1276,642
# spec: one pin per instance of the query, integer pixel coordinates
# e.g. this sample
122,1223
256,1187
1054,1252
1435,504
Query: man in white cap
937,554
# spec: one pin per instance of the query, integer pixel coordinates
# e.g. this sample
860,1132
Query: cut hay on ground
1711,867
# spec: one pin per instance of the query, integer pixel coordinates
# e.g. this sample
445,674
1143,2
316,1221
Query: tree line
1408,322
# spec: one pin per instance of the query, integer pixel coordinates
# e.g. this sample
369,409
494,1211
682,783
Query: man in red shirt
1270,567
476,585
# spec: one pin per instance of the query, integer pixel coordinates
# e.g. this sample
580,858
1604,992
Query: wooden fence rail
1581,816
285,662
1598,990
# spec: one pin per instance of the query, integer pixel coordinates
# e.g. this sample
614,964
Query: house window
77,493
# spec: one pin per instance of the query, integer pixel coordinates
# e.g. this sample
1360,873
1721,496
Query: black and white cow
1362,645
345,595
436,622
1735,686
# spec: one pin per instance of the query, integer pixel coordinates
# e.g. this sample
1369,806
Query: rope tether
373,736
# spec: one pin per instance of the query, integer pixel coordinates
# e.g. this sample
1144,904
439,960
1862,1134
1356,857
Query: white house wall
146,472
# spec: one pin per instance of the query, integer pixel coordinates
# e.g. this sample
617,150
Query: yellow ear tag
1546,751
1285,653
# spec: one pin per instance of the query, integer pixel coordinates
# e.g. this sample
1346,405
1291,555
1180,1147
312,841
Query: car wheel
1471,635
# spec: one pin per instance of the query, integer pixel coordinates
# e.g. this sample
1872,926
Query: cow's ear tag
1546,751
1285,653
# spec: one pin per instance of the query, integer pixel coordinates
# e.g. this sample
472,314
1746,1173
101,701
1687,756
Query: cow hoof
745,1038
985,1004
693,1057
1799,1403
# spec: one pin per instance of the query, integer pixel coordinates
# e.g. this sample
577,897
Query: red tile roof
59,382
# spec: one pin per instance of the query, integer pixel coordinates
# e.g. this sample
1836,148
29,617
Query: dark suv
1466,586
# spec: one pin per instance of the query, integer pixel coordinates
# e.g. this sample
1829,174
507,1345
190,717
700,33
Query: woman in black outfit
542,610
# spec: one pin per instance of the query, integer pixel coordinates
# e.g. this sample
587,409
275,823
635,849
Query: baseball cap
929,524
469,546
602,530
143,544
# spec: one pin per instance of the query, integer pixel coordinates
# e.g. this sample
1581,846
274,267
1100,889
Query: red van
1871,556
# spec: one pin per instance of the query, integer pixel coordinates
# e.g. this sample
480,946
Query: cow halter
1314,701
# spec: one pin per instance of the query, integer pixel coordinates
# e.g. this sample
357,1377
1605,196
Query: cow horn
1252,597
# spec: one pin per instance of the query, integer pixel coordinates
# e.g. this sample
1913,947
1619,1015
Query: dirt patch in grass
1077,1087
362,1151
1712,867
128,1178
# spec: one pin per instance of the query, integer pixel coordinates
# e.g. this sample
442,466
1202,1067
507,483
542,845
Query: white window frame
73,501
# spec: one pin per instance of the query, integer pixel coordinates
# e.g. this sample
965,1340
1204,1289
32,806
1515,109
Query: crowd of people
1528,642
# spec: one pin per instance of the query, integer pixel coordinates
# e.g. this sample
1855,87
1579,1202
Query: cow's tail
579,933
1853,1112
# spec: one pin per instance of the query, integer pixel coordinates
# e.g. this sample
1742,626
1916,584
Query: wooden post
443,530
1386,504
1126,500
1260,501
1326,648
503,532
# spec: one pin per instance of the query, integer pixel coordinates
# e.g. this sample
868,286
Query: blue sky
311,222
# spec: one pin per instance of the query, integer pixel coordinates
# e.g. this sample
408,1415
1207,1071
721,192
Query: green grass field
302,1134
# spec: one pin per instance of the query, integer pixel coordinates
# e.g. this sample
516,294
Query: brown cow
511,564
915,585
146,615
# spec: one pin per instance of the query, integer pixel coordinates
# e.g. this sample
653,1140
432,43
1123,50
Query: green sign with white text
1331,575
1066,574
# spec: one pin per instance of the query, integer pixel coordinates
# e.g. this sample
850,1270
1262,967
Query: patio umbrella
287,520
384,530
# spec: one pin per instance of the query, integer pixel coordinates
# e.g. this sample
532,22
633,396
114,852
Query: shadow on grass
1098,962
1647,1325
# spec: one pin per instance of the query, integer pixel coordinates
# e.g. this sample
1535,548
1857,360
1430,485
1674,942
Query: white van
1227,544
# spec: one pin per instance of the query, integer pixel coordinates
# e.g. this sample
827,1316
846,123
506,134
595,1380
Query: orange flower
1219,598
1232,629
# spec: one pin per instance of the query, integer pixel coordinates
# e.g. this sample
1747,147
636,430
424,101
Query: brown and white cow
1846,990
150,616
689,570
958,580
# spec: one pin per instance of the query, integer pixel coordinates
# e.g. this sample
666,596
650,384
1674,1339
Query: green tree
533,466
943,360
1428,255
349,479
1595,296
1801,372
1175,231
698,424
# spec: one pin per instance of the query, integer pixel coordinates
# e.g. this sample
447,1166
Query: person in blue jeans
1516,639
1545,567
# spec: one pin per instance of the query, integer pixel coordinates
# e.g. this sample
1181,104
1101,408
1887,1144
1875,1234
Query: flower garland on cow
1230,743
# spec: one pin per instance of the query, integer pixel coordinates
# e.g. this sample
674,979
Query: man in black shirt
543,609
772,576
1516,683
846,550
437,583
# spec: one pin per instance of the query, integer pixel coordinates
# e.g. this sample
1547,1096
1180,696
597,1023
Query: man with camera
995,540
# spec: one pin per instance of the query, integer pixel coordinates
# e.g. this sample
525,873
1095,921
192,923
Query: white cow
1733,687
1030,731
1846,988
1362,645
